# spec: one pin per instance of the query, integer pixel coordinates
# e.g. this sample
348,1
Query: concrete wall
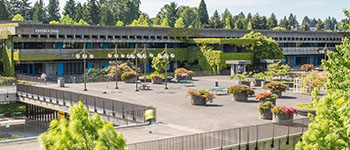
8,97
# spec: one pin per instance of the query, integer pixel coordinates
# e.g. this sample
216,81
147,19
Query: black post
239,138
257,138
288,135
84,53
273,135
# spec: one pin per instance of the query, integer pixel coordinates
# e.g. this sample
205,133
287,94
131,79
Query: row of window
305,39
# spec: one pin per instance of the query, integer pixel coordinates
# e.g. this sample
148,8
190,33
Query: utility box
60,82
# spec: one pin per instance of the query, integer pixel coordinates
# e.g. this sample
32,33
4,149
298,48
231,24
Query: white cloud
309,3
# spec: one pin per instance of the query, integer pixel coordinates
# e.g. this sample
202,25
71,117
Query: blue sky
312,8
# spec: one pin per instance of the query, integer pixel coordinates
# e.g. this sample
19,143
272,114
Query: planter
289,85
263,83
273,101
258,82
131,80
279,94
304,112
240,97
184,78
197,100
266,115
281,118
157,81
245,83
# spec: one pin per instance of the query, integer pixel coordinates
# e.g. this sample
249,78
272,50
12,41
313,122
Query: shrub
278,70
128,75
307,67
241,89
242,77
156,76
25,82
314,79
265,106
260,76
208,96
276,86
5,81
267,96
10,107
123,67
97,75
306,106
191,73
283,110
180,70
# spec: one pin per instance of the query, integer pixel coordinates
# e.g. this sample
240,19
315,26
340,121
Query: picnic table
187,83
144,87
218,90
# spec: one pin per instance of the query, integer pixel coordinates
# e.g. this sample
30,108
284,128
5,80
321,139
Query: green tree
107,18
92,12
54,22
284,23
188,14
13,7
278,70
227,24
67,20
239,24
82,22
249,27
18,17
272,21
165,23
214,21
79,13
330,127
81,132
293,22
120,23
53,10
256,22
39,13
4,14
179,23
305,24
123,10
70,8
203,13
25,10
319,25
170,12
226,14
142,21
159,64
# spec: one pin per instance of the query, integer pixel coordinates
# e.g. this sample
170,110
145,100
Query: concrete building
36,48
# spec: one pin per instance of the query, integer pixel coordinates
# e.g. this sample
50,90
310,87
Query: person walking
149,117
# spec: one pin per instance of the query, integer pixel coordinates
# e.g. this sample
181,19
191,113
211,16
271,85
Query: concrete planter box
183,78
245,83
258,82
157,81
197,100
281,118
273,101
240,97
131,80
263,83
266,115
304,112
279,94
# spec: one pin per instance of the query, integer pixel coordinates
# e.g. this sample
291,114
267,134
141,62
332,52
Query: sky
312,8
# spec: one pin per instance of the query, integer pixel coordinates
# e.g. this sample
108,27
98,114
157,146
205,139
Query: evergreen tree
53,10
92,13
215,20
226,14
79,12
227,24
188,14
263,23
249,26
124,10
18,17
272,22
25,9
319,25
107,18
70,8
13,7
284,23
39,13
256,22
179,23
4,15
239,24
120,23
203,13
313,23
82,22
165,23
293,22
170,12
81,132
305,24
198,23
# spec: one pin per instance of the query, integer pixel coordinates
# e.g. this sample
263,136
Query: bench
16,114
144,87
219,90
187,83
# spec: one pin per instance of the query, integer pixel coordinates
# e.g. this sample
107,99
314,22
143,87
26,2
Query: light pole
166,55
116,55
132,56
84,54
143,54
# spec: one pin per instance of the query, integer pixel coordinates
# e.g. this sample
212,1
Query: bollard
216,83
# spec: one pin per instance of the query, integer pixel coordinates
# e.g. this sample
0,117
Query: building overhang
238,62
271,61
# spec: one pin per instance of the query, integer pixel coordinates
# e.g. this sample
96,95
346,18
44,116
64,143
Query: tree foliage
159,64
53,10
179,23
4,14
18,17
203,13
70,8
81,132
277,70
39,13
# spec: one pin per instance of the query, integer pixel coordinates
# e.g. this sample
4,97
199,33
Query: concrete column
60,71
244,68
233,69
33,69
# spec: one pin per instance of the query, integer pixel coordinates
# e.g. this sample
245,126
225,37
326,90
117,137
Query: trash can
60,82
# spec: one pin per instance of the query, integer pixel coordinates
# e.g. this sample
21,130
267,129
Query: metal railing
28,78
103,106
239,137
30,128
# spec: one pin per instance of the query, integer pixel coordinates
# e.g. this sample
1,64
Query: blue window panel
106,64
170,45
316,60
294,44
60,70
285,60
33,69
294,61
22,45
105,45
59,45
147,67
170,67
285,44
308,44
89,65
132,45
28,69
316,44
88,45
147,45
308,59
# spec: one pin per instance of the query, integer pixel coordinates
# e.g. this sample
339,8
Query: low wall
8,97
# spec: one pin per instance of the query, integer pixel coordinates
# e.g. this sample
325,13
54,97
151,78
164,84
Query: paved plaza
175,113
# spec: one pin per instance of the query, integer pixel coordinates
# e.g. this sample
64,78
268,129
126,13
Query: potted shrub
305,109
129,77
156,79
265,110
263,97
307,67
282,113
259,78
201,97
243,78
276,88
190,74
183,74
240,92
